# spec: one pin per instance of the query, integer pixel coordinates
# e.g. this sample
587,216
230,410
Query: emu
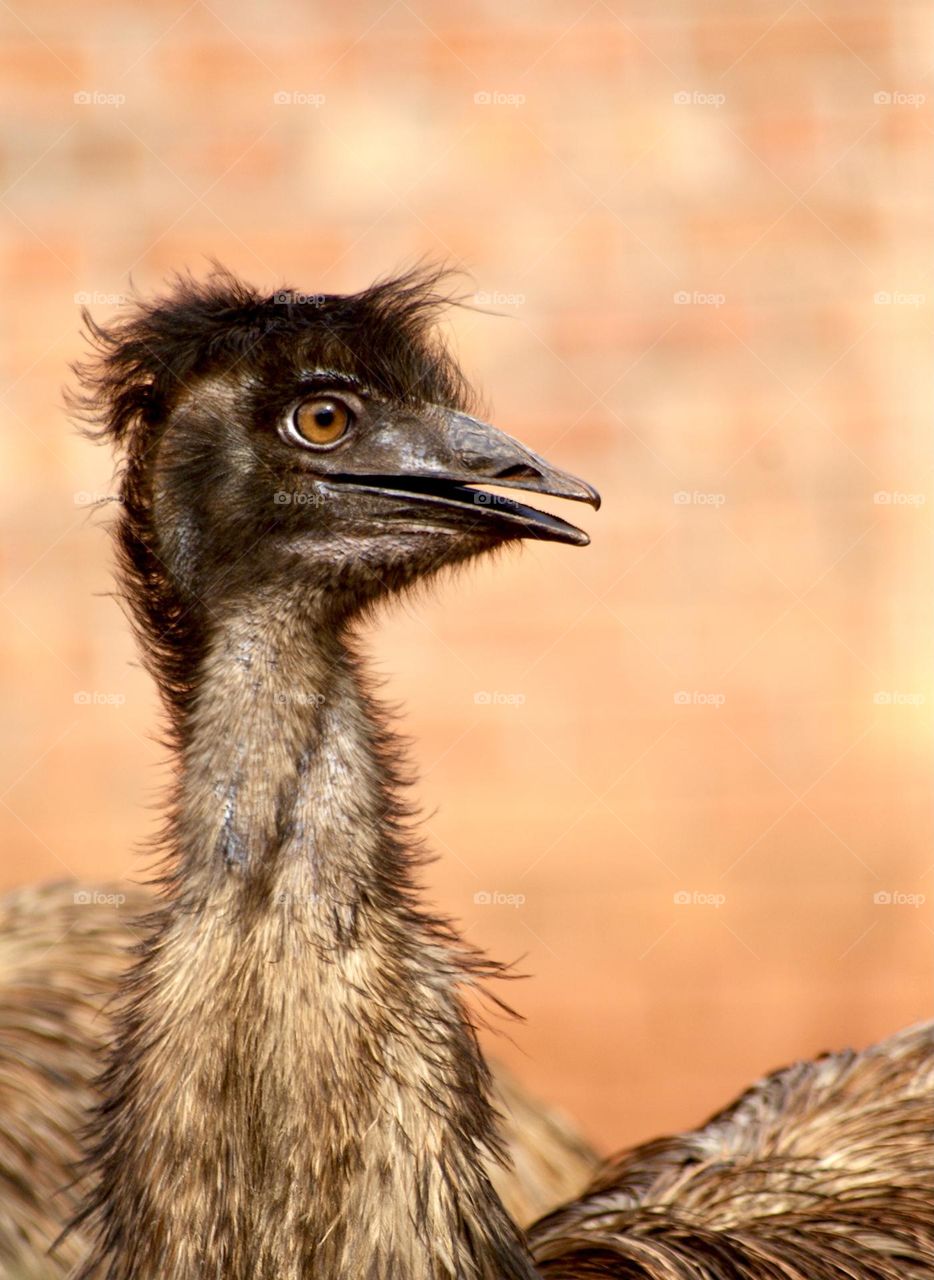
294,1086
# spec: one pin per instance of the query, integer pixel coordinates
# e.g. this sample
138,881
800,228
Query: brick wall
707,231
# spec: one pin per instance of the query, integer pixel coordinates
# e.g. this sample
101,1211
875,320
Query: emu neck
284,796
296,1090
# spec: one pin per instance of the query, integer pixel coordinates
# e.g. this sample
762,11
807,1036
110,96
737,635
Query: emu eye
322,420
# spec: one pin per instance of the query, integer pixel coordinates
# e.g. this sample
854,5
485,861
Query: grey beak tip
587,493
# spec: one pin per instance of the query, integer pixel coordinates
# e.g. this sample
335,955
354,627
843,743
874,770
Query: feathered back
823,1171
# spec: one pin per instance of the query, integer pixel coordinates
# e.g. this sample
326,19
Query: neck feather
296,1087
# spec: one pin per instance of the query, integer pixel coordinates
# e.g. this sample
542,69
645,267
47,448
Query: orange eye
322,420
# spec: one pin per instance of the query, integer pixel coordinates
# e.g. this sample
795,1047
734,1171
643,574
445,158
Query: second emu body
295,1088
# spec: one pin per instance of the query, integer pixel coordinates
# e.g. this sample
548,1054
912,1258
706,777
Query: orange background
768,162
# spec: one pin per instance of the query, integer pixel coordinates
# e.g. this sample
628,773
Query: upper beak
443,469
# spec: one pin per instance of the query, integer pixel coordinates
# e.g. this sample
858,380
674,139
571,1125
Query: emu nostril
517,472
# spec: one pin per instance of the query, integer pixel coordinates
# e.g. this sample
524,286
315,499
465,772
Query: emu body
822,1171
63,949
294,1086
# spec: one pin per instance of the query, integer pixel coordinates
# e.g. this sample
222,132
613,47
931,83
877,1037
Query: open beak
445,472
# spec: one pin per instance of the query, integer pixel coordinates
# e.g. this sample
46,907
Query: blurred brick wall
707,228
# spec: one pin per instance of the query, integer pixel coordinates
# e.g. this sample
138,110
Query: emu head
305,447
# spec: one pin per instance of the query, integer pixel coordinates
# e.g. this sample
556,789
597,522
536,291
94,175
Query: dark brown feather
823,1171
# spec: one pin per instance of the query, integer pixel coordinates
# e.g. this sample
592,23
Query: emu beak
443,468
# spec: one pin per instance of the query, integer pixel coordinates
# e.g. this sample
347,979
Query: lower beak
473,454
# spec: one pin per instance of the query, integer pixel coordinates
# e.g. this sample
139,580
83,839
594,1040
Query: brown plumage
58,965
823,1170
63,948
294,1087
